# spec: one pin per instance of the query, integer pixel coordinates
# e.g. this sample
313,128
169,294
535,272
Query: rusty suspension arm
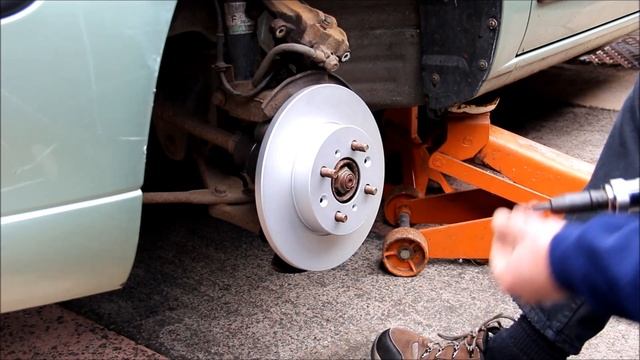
236,144
215,136
197,197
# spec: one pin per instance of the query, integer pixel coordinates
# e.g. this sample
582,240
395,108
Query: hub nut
345,185
346,180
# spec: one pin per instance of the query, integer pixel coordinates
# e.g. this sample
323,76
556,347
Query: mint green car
80,83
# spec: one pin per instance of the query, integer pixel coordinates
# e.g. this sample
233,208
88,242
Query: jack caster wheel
320,166
405,252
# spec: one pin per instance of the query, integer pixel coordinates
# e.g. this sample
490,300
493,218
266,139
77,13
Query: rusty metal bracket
241,214
264,105
492,168
300,23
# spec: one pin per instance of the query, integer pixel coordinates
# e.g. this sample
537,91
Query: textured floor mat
623,52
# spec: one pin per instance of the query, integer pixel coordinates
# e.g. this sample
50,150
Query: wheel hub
345,184
319,168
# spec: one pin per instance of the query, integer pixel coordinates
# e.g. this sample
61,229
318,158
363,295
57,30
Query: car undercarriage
280,106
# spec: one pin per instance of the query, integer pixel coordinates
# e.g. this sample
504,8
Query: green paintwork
522,19
77,91
68,252
556,20
515,15
77,85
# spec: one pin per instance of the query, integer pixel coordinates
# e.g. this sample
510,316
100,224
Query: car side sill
68,251
541,58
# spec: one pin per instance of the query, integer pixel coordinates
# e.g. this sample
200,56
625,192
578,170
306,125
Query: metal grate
623,52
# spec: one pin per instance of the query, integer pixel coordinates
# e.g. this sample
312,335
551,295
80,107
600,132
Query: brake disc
319,169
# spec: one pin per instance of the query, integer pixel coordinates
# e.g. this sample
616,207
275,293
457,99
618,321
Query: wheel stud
328,173
358,146
340,217
370,190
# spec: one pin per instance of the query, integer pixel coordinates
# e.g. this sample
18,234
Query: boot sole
374,352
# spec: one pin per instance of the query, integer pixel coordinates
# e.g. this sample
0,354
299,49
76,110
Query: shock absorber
241,39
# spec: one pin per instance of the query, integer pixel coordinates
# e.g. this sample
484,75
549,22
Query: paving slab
52,332
604,87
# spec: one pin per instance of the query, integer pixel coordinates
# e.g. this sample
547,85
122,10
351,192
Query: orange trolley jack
496,167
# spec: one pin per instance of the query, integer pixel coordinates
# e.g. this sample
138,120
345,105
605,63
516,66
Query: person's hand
519,257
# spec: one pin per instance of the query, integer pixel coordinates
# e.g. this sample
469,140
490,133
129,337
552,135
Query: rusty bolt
435,79
279,27
492,23
358,146
328,21
281,32
370,190
328,173
220,190
340,217
482,64
331,64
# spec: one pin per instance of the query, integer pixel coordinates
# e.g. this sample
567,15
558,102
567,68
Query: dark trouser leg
571,323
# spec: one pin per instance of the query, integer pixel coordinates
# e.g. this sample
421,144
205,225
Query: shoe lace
469,339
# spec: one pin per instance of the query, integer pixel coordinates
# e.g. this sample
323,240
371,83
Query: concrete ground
52,332
201,288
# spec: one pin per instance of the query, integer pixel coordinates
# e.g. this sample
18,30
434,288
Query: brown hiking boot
401,343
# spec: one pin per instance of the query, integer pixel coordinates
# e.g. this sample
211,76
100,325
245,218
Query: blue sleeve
600,261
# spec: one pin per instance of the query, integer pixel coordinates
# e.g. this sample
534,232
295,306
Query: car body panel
76,113
531,62
77,87
515,15
68,251
551,21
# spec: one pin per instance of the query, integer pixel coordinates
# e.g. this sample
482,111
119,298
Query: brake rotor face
310,182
